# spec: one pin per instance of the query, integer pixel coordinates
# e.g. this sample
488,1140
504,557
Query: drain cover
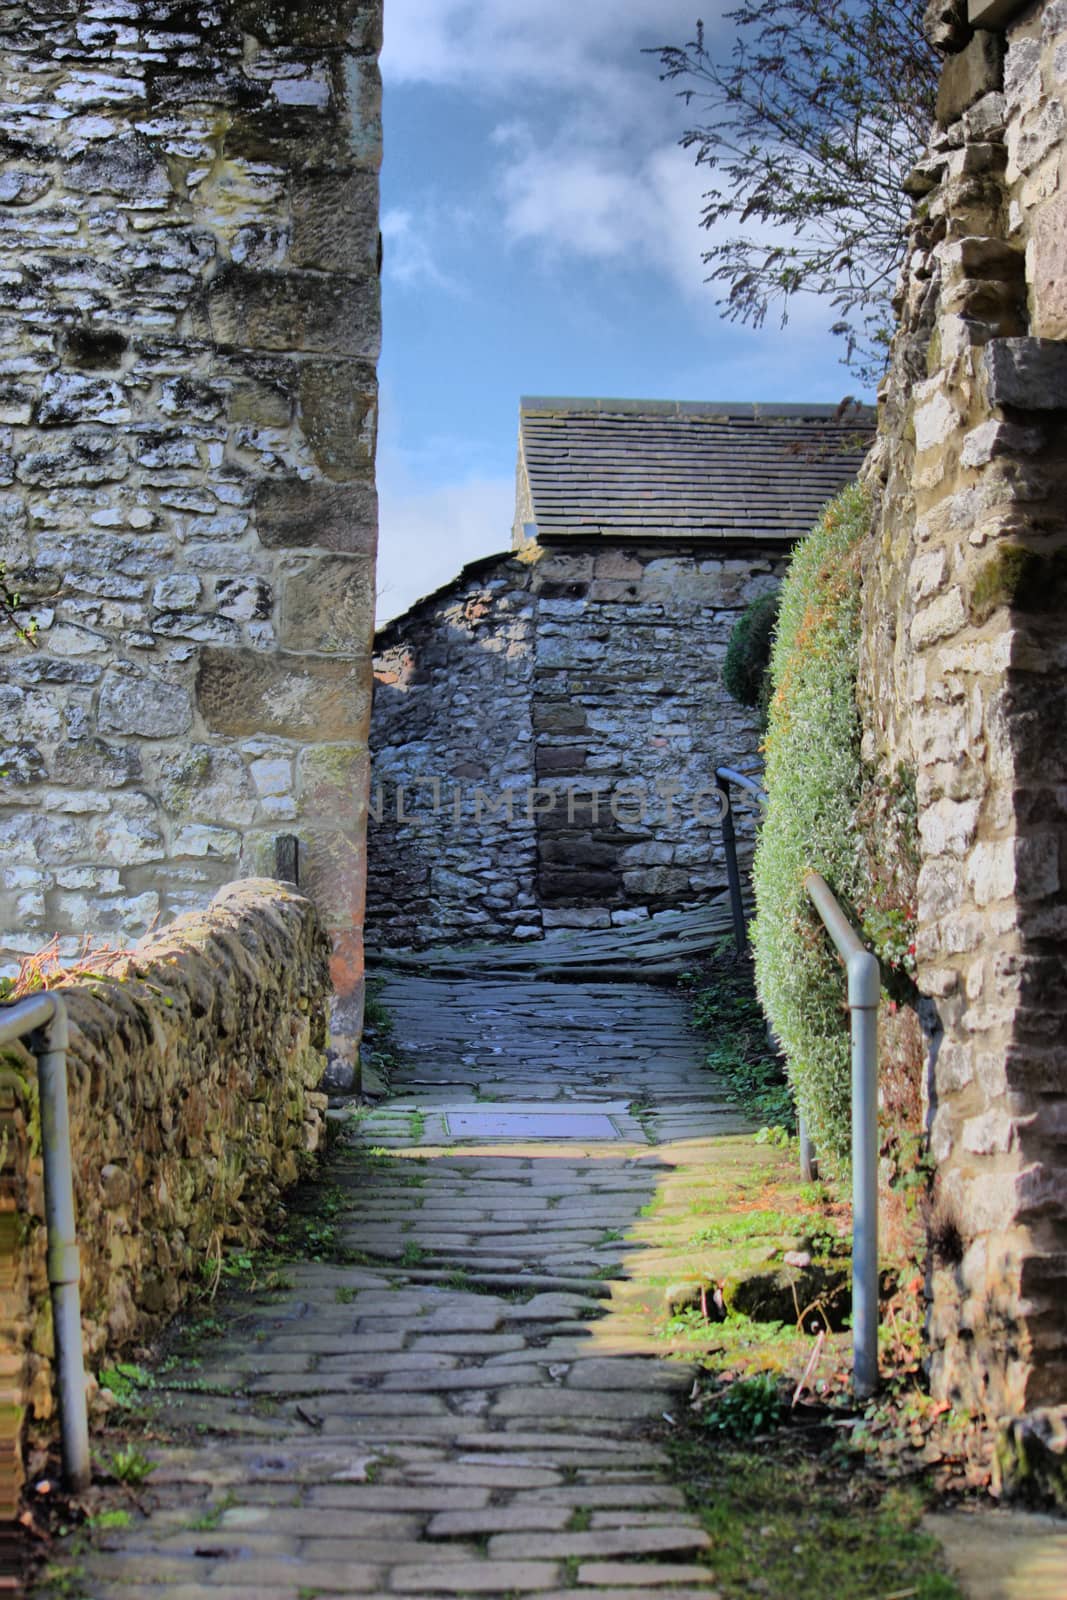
531,1125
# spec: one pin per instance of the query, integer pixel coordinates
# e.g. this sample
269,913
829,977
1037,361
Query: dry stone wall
545,736
189,314
193,1073
963,682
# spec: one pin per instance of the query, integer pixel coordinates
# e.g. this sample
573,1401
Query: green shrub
746,668
814,780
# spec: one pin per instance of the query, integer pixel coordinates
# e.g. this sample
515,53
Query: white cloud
498,45
568,199
588,167
427,534
596,203
407,253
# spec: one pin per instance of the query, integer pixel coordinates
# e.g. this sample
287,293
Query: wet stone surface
470,1403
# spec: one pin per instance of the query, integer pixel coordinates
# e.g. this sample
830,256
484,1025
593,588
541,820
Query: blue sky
541,237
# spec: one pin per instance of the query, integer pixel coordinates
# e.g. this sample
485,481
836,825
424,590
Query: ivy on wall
814,778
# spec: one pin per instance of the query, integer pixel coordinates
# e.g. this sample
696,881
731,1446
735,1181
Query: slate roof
674,470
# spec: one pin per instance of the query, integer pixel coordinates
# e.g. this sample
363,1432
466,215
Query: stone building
189,308
964,682
546,727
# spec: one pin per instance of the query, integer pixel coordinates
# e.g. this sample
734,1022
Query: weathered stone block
335,223
332,780
96,763
562,883
992,13
199,839
300,311
328,606
976,70
940,619
125,165
293,512
569,851
208,782
339,415
139,702
1047,263
559,717
178,592
993,438
560,760
655,882
243,692
1029,374
356,24
945,24
83,458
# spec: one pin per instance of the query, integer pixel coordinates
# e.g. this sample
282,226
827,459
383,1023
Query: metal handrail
724,777
42,1021
864,990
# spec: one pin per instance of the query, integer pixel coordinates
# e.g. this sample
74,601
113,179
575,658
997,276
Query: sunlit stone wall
964,683
189,325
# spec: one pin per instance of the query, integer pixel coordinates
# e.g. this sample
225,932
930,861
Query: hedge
814,781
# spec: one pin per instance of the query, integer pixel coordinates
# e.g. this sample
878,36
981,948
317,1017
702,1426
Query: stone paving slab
523,1125
1004,1554
466,1411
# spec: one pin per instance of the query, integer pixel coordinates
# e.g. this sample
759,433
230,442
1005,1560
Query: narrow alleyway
467,1412
465,1393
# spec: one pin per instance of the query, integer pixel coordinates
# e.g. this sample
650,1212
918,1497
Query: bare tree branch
809,129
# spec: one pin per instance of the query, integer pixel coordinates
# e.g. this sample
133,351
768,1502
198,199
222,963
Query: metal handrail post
864,990
809,1161
42,1020
733,875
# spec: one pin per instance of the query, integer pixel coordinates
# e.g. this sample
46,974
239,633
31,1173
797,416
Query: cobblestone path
466,1410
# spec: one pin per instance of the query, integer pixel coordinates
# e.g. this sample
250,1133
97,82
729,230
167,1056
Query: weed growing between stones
129,1464
642,1113
726,1008
210,1519
377,1055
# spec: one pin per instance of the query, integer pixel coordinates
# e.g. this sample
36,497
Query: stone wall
192,1069
584,684
451,735
189,312
963,682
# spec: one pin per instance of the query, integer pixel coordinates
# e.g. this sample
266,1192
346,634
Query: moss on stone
999,580
1024,579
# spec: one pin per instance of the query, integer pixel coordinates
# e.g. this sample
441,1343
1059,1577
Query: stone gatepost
190,316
